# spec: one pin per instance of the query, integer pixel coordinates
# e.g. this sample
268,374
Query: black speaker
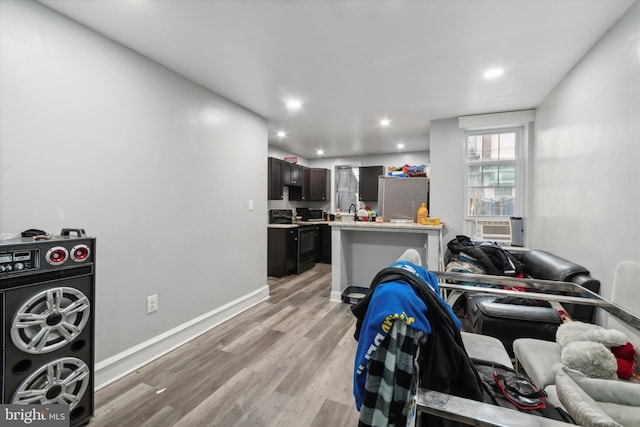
47,290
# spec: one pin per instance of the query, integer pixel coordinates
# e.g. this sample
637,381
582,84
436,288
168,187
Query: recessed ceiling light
493,73
293,105
320,152
400,145
281,134
384,122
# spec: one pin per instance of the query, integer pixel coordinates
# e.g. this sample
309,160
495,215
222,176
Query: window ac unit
493,230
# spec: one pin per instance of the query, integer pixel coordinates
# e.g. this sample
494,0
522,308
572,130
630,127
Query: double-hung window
493,166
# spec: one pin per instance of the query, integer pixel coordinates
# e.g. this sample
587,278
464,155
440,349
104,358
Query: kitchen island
361,249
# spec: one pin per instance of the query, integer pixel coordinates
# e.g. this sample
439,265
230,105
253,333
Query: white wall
394,159
586,172
583,178
281,154
447,176
159,169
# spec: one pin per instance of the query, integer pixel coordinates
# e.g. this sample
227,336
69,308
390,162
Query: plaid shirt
390,383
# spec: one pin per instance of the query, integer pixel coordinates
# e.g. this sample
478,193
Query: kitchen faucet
355,208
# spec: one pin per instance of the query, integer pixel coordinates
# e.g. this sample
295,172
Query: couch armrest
546,266
537,358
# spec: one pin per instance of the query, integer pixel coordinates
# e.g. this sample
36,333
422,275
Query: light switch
250,205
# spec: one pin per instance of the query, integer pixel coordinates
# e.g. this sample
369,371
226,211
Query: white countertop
296,225
366,225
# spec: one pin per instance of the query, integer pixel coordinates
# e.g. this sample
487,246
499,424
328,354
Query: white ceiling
353,62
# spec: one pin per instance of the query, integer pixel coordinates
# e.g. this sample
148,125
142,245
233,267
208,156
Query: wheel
50,319
61,381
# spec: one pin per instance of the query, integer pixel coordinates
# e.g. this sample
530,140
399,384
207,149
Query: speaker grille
61,381
50,319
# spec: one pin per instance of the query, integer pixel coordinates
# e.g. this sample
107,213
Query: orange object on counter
423,214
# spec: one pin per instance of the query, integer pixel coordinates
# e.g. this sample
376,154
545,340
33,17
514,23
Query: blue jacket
391,301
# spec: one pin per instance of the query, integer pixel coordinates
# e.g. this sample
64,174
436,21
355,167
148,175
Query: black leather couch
510,318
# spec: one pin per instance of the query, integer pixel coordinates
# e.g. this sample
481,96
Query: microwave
316,215
307,214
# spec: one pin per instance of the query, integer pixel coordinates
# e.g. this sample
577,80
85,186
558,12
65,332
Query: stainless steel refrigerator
400,198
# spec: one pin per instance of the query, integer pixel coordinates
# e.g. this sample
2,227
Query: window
492,164
347,178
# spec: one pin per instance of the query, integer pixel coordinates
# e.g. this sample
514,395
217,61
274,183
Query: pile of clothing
401,323
467,256
409,337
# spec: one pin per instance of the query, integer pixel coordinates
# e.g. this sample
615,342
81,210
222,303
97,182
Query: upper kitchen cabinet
291,174
320,185
275,170
302,192
368,185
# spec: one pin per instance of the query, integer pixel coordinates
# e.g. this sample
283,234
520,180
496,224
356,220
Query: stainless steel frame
477,413
483,414
556,291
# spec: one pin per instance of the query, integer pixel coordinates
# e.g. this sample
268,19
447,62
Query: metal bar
535,284
532,295
478,414
582,295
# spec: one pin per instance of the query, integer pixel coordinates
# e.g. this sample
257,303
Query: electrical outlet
152,303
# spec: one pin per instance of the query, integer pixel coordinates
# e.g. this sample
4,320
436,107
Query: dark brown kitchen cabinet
323,243
301,192
320,184
275,170
282,248
368,185
291,174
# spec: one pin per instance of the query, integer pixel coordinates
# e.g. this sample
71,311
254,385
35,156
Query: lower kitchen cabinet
323,243
282,248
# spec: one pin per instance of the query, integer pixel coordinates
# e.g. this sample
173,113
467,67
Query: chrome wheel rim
62,381
49,320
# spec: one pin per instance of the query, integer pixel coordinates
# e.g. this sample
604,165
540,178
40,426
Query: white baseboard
121,364
336,296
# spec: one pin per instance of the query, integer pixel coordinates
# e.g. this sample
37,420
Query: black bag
506,387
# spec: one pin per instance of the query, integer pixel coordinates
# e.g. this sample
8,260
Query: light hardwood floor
287,361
